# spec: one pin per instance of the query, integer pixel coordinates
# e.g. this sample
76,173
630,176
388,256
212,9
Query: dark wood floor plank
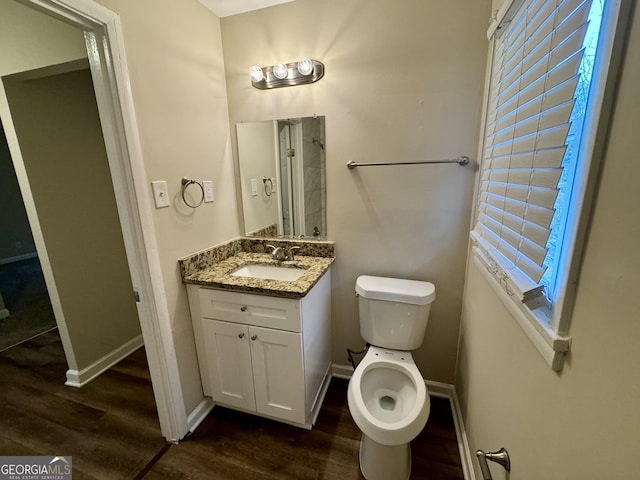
334,418
73,415
229,445
31,355
114,448
128,396
110,428
36,378
16,449
135,365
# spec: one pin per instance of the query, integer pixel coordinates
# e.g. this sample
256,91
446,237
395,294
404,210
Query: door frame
109,70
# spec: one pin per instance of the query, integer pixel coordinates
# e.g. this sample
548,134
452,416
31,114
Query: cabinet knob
241,335
243,308
253,337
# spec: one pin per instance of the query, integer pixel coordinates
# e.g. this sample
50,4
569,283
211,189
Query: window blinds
538,49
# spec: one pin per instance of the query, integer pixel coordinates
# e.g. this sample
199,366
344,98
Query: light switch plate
208,191
161,194
254,187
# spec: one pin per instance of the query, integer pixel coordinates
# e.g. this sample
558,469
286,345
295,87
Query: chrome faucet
277,253
290,255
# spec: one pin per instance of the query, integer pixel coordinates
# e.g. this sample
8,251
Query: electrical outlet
207,185
161,194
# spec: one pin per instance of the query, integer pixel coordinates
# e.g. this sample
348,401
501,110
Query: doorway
57,125
100,28
25,308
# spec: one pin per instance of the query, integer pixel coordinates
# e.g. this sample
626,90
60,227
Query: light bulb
305,66
280,71
256,73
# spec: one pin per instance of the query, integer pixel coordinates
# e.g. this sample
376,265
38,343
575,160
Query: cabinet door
278,373
229,363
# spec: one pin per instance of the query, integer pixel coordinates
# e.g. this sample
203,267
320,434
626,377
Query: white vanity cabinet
266,355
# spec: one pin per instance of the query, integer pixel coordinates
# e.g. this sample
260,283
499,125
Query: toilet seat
387,397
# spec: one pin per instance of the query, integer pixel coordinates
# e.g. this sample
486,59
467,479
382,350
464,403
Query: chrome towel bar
462,161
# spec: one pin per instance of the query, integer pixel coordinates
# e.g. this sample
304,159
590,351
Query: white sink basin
269,272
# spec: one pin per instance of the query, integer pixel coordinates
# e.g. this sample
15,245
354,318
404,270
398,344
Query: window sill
549,344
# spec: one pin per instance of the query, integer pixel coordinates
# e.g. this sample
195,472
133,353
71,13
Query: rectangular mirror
282,177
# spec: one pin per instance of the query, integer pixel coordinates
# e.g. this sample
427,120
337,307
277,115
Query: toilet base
384,462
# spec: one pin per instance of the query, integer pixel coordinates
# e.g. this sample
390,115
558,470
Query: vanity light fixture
286,74
280,71
305,66
256,73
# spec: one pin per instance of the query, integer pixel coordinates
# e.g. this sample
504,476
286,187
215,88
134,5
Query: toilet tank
394,312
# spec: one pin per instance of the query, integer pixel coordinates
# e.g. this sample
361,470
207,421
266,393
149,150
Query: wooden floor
110,428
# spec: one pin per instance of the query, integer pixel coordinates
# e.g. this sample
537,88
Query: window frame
548,328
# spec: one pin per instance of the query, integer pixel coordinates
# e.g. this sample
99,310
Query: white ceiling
225,8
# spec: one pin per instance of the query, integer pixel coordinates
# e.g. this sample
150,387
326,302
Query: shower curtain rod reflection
462,161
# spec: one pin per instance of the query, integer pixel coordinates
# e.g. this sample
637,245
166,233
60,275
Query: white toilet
387,395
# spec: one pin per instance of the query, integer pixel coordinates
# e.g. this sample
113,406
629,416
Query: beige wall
21,50
60,136
174,55
581,423
403,82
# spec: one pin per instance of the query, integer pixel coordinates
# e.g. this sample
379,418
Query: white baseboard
196,417
341,371
80,378
442,390
17,258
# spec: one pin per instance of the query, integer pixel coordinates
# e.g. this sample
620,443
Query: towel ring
268,190
185,183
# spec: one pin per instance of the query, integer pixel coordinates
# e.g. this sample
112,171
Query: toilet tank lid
395,290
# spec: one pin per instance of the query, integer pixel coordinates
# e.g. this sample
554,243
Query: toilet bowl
387,397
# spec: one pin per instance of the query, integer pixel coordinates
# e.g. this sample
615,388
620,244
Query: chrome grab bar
501,457
462,161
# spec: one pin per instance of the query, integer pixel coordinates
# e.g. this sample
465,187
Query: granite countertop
218,275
